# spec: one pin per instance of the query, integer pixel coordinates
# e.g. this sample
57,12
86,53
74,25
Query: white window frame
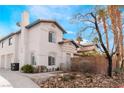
2,44
52,37
33,59
10,41
51,59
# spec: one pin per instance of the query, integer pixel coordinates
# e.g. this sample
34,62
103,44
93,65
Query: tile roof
33,24
11,34
47,21
66,41
87,48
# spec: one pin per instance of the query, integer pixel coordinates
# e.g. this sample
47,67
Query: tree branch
100,36
87,28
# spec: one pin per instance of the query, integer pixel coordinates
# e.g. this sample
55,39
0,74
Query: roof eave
39,20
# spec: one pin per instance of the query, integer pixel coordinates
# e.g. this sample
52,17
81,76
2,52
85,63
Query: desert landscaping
79,80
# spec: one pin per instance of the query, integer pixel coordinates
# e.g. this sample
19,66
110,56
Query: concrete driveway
4,83
15,80
40,77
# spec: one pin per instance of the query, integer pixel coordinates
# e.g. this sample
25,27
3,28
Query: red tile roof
87,48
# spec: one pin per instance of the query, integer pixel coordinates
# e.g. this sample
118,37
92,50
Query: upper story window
2,44
52,37
10,41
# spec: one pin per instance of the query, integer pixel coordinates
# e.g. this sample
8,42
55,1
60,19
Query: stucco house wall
39,45
35,41
6,51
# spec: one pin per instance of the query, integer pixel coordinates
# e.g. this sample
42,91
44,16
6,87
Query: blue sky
9,15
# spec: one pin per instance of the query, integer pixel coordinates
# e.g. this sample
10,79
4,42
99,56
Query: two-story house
37,43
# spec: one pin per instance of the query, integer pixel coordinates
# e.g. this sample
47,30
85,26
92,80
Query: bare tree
94,23
102,13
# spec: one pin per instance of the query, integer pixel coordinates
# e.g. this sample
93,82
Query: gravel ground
79,80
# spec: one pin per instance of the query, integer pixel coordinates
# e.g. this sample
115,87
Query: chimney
25,19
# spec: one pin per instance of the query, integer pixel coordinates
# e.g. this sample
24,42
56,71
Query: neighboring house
37,43
86,48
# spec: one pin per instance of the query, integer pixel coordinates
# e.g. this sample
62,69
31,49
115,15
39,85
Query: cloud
48,12
70,32
85,41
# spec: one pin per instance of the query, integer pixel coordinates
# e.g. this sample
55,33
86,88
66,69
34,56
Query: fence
90,64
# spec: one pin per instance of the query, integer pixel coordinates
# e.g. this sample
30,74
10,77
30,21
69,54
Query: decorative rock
83,80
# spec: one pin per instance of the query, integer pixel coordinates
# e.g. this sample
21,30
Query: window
10,41
51,60
33,60
2,44
52,37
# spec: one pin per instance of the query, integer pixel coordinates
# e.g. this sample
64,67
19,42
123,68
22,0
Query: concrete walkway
4,83
15,80
40,77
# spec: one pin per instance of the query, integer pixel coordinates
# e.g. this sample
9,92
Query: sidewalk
15,80
4,83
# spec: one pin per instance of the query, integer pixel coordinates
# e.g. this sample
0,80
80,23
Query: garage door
9,61
2,61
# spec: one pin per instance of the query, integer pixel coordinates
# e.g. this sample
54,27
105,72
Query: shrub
65,78
53,69
118,70
57,69
35,69
68,77
27,68
39,69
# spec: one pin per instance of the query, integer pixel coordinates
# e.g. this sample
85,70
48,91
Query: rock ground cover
79,80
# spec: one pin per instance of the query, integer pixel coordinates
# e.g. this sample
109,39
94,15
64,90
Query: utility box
15,66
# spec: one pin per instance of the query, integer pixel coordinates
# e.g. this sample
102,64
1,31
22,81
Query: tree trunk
109,66
103,46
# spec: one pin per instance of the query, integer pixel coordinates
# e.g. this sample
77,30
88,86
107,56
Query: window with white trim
10,41
33,59
2,44
51,59
52,37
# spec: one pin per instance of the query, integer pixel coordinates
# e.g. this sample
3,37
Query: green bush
65,78
118,70
42,68
68,77
27,68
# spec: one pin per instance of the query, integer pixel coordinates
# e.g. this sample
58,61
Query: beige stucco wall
35,40
8,50
39,45
67,48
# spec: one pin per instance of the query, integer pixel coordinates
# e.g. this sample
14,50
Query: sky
10,15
